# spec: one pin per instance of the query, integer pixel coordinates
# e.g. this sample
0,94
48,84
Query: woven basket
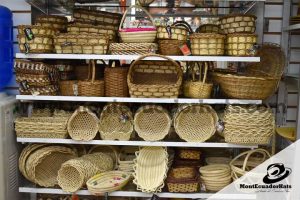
189,154
241,44
116,122
172,32
208,28
33,67
112,151
137,35
195,123
39,44
170,47
248,125
38,162
115,80
186,185
152,122
41,127
36,30
199,89
74,173
207,44
132,48
158,79
107,182
150,170
34,79
183,172
52,18
44,112
83,124
91,87
47,90
238,24
52,21
103,25
81,44
68,88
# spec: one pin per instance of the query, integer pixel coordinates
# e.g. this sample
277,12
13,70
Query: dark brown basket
170,47
115,79
183,185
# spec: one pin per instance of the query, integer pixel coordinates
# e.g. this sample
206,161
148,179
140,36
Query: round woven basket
39,44
116,122
74,173
170,46
195,123
172,32
150,170
115,79
152,122
83,124
241,44
238,23
207,44
208,28
112,151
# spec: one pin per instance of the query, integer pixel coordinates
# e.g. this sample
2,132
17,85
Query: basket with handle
91,87
198,89
137,35
157,79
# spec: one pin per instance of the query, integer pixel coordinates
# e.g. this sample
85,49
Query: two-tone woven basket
208,28
241,44
172,32
189,154
41,43
238,23
55,22
207,44
36,30
132,48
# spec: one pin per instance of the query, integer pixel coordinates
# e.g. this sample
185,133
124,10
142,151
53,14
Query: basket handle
139,7
93,66
183,24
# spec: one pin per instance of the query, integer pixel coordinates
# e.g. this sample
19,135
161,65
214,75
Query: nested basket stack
116,122
58,23
207,44
126,159
115,80
208,28
248,124
158,79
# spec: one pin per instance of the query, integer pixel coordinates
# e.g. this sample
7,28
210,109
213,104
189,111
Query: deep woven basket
132,48
208,28
189,154
172,32
116,122
68,88
158,79
238,24
115,80
152,122
170,47
207,44
241,44
50,90
39,44
83,124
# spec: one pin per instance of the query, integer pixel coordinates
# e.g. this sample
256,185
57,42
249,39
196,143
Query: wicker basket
170,47
238,24
158,79
103,25
39,44
30,67
132,48
183,172
189,154
115,79
150,170
207,44
36,30
51,90
208,28
195,123
41,127
152,122
68,88
112,151
186,185
248,124
241,44
81,44
137,35
33,79
172,32
107,182
199,89
43,112
116,122
74,173
83,124
52,21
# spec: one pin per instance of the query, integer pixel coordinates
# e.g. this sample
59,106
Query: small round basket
83,124
241,44
116,122
195,123
207,44
152,122
238,24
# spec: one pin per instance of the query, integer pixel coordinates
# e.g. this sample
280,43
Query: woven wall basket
238,23
132,48
40,44
36,30
152,122
208,28
116,122
115,80
74,173
207,44
172,32
150,170
170,47
158,79
195,123
241,44
83,124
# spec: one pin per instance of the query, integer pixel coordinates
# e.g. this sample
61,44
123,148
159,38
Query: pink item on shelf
136,29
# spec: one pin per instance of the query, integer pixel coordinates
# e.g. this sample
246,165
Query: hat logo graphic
276,172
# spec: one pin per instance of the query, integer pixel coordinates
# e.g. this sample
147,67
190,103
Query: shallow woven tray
207,44
132,48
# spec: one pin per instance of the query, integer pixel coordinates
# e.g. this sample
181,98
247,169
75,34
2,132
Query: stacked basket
58,23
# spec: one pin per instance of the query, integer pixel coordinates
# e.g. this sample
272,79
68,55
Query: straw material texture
238,24
208,28
112,151
170,47
241,44
189,154
115,79
33,67
132,48
176,33
40,43
36,30
58,23
207,44
46,90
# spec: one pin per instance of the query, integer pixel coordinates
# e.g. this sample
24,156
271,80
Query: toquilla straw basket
238,23
132,48
207,44
241,44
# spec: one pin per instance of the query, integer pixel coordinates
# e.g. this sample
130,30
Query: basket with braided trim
241,44
239,23
157,79
83,124
39,44
132,48
207,44
74,173
152,122
116,122
195,123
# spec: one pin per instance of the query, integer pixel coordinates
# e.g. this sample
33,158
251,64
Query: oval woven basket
107,182
83,124
116,122
241,44
207,44
152,122
195,123
154,79
239,23
150,170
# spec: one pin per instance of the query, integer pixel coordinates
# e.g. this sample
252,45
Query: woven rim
42,17
238,15
207,35
215,169
176,27
217,160
241,34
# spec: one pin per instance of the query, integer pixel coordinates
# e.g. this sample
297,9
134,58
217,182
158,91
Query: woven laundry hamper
195,123
83,124
115,80
238,23
207,44
152,122
116,122
52,21
241,44
39,44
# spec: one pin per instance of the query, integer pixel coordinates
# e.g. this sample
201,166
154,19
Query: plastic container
6,46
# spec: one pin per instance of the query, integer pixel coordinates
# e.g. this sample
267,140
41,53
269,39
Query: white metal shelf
134,143
135,100
134,57
292,27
